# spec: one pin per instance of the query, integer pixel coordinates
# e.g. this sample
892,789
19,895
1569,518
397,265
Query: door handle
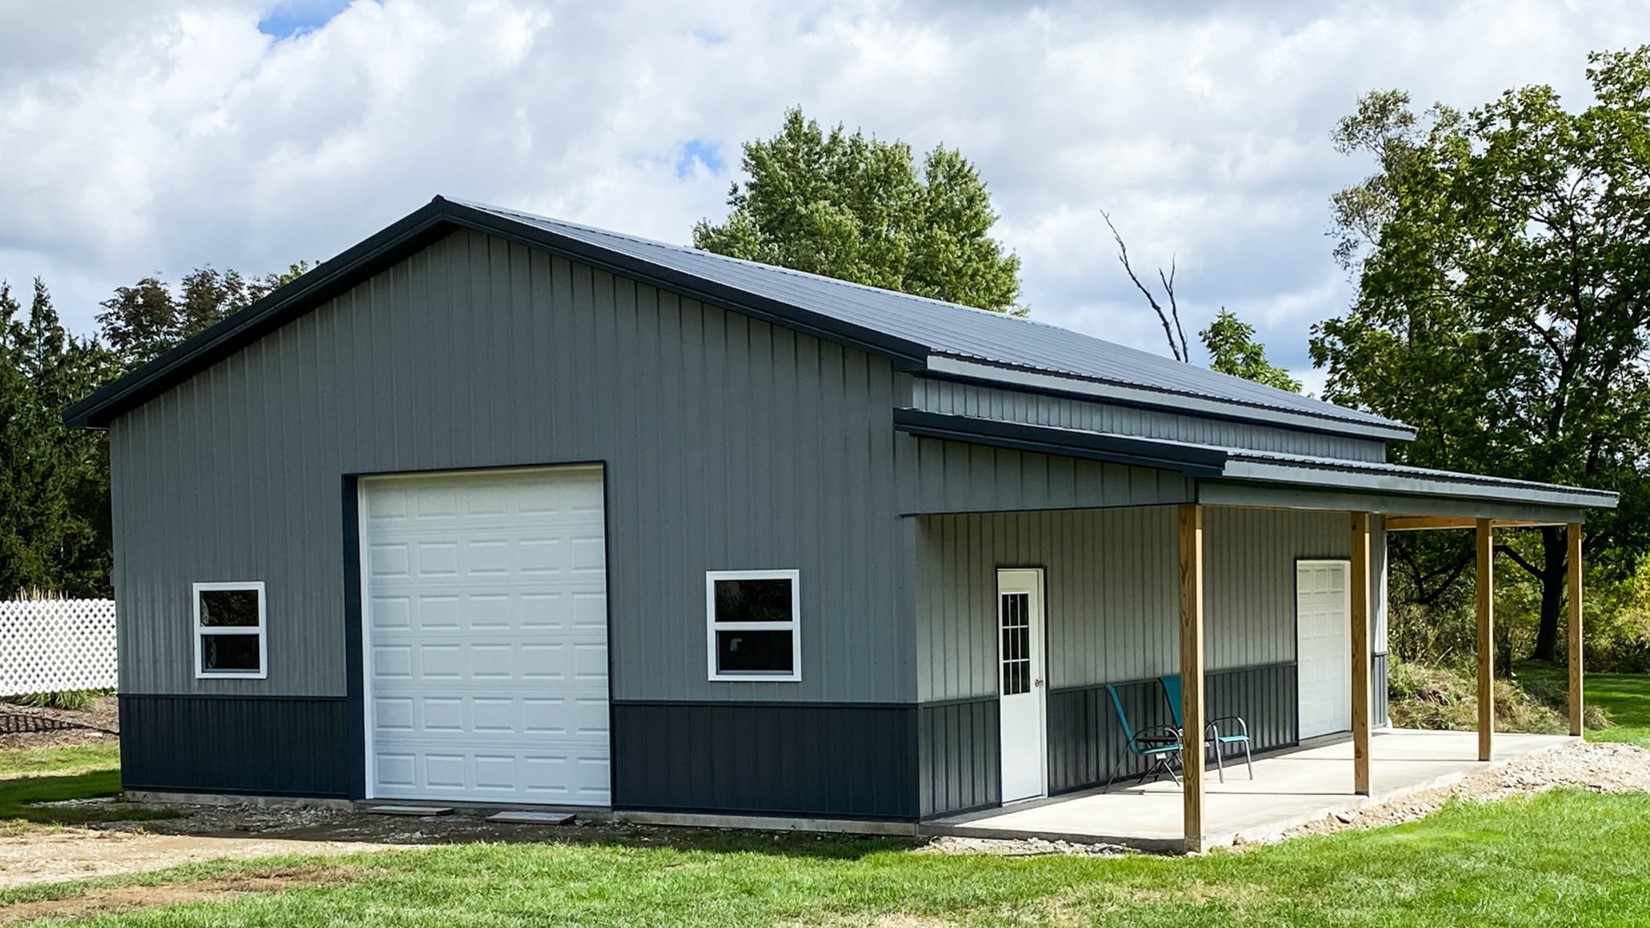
1037,682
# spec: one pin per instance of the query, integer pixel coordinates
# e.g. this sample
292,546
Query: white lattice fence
49,645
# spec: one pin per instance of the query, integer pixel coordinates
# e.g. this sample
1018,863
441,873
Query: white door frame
1346,633
1027,580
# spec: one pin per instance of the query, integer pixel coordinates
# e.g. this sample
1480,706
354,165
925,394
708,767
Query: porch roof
1243,476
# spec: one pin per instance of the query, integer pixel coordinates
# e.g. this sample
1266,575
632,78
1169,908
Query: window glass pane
754,651
229,652
229,608
753,600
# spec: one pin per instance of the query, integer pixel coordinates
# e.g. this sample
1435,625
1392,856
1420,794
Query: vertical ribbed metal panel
1087,744
958,762
1378,708
1112,588
728,443
950,397
1249,578
840,760
1111,578
288,747
939,476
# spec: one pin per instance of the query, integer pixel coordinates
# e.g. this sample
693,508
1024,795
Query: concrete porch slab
1289,789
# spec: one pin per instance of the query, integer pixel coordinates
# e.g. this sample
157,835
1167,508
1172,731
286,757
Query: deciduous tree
1502,259
858,209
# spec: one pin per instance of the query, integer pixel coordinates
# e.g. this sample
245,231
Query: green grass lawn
1625,697
1568,857
38,775
1563,858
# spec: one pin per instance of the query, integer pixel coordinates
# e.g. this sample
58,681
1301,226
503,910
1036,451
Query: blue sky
159,136
285,20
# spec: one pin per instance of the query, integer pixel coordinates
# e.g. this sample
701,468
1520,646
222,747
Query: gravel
1602,768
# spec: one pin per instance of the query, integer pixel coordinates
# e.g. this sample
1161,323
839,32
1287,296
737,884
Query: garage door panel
488,619
1323,647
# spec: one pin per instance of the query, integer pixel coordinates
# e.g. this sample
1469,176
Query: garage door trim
357,487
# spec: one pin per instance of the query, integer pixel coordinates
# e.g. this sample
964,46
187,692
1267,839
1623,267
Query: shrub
1445,699
71,700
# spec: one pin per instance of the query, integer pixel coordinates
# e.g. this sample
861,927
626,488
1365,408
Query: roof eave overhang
963,369
1227,477
1115,449
1466,487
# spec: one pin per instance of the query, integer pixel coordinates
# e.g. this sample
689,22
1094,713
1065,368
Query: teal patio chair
1212,736
1158,744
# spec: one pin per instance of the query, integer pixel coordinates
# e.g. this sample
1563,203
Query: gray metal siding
1087,745
962,399
214,744
939,476
1110,598
1249,578
842,760
1113,590
728,444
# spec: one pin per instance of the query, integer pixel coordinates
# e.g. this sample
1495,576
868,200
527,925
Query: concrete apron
1289,790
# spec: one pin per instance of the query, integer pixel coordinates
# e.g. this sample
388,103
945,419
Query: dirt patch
98,722
122,898
65,854
1602,767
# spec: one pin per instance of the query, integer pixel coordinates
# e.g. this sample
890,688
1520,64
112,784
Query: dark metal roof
1250,466
920,333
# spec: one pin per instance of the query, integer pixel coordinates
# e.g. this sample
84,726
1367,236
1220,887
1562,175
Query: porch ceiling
1246,477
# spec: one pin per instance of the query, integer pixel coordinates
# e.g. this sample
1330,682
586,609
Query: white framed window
229,631
753,625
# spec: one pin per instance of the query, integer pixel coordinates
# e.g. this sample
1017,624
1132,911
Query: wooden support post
1191,671
1574,537
1362,655
1486,640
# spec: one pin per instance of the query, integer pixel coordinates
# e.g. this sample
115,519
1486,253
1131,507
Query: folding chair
1212,736
1158,743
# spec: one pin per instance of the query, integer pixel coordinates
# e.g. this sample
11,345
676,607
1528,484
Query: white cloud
156,137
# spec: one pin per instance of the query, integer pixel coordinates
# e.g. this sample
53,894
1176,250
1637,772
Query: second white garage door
485,606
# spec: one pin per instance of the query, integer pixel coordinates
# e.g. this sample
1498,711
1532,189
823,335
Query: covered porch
1290,788
1062,572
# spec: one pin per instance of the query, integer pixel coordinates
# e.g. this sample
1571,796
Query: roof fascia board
1521,493
1137,452
1145,398
1284,496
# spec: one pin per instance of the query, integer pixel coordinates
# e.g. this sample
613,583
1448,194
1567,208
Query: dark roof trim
1191,460
1240,467
1397,479
402,238
999,375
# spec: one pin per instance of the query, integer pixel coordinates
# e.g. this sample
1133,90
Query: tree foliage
1502,258
142,321
1233,350
858,209
54,483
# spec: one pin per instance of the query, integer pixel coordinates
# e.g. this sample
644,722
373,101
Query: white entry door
485,612
1020,677
1323,617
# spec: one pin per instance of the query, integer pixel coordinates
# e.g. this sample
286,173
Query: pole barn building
498,509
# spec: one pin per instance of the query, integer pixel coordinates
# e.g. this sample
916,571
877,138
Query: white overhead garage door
485,606
1323,616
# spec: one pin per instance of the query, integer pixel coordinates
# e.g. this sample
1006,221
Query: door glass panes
1015,616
